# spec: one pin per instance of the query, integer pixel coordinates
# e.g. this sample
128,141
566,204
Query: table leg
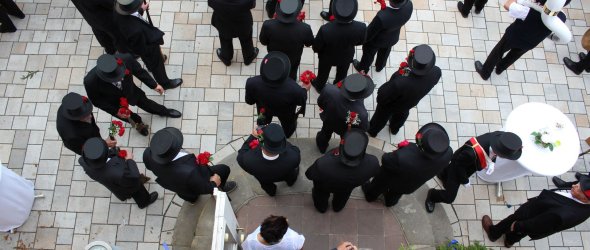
499,189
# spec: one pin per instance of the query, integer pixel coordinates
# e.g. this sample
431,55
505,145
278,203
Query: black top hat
585,185
422,60
75,106
166,144
274,141
507,145
353,150
357,86
275,67
95,152
287,10
108,69
433,139
127,7
344,10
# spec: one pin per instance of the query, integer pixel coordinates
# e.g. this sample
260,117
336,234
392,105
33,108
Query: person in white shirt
274,234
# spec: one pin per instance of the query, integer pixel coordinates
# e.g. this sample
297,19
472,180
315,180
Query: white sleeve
300,241
518,11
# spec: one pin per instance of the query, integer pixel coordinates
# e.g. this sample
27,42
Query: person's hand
159,89
129,155
255,132
110,143
307,87
346,246
122,116
215,178
508,3
512,226
145,5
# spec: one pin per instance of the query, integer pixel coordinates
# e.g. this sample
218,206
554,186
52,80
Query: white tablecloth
524,120
16,199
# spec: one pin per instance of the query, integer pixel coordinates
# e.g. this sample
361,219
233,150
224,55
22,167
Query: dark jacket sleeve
130,178
200,184
388,92
322,99
390,162
263,37
465,159
308,41
94,94
312,172
318,42
138,42
245,148
374,28
362,38
250,98
139,72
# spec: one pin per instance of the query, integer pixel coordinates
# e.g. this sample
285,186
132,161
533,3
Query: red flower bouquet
122,153
306,77
124,107
254,144
301,16
204,158
116,128
382,3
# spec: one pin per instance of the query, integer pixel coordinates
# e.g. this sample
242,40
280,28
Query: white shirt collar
180,154
270,158
569,195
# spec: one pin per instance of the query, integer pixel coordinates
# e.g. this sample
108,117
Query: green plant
455,245
29,75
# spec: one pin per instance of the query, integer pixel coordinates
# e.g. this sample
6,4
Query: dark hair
273,228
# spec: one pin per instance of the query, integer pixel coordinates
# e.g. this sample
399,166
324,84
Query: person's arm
138,71
308,41
130,179
95,95
263,37
312,172
516,10
245,148
318,42
201,184
250,98
374,28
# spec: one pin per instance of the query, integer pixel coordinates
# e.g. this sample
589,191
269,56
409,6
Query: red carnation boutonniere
124,107
122,153
332,18
403,143
119,61
84,99
204,158
127,72
254,144
419,140
404,68
382,3
274,16
116,128
301,16
352,119
339,84
306,77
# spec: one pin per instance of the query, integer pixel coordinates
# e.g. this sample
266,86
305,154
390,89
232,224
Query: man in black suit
75,122
116,170
232,18
143,39
275,160
97,14
335,42
179,171
478,153
286,34
342,107
341,170
544,215
521,36
465,8
9,7
112,79
404,170
580,66
276,94
405,89
383,33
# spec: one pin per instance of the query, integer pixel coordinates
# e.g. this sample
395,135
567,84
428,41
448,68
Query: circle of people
266,154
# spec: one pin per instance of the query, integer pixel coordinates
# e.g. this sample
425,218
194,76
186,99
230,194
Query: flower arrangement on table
546,137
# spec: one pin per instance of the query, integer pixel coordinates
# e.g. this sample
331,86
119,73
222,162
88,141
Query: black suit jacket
335,41
75,133
232,17
401,93
278,99
336,109
288,38
408,168
267,171
97,13
118,175
383,31
549,213
138,34
464,162
105,95
182,176
332,175
528,33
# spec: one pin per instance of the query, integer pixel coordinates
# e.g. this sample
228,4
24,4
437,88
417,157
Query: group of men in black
266,154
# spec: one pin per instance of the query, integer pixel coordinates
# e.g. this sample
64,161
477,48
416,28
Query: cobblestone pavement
55,42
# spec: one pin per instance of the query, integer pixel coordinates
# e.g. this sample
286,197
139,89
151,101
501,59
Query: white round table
16,199
524,120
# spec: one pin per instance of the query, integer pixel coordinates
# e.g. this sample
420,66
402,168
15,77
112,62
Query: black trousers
149,106
382,115
451,185
288,122
106,40
9,7
294,68
503,227
324,69
468,4
495,59
227,47
321,195
369,52
141,197
271,189
379,185
322,138
155,63
584,63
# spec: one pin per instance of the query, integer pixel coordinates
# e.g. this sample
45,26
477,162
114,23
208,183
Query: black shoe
355,64
247,61
499,71
173,113
571,65
153,198
578,175
325,15
391,203
5,28
371,134
393,131
478,11
292,182
479,69
223,60
229,186
173,83
507,244
486,223
560,183
142,128
582,55
429,204
460,7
